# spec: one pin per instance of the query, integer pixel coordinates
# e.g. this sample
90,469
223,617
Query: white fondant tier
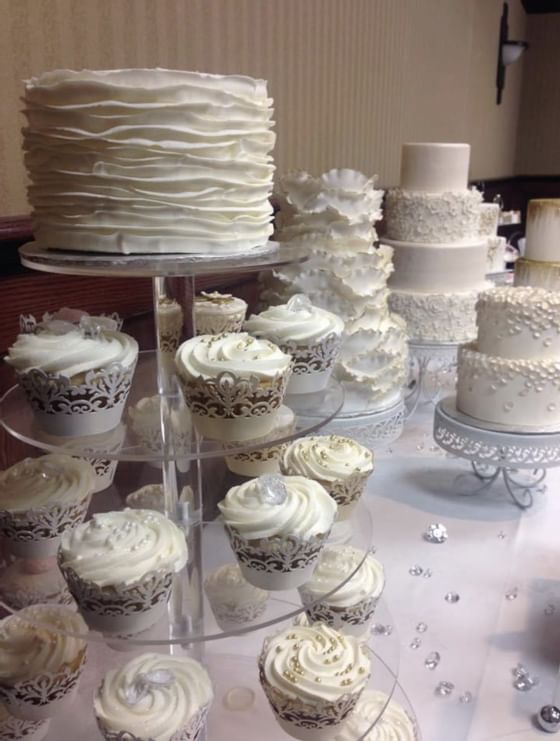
438,267
537,273
437,317
519,323
433,218
434,167
543,230
508,391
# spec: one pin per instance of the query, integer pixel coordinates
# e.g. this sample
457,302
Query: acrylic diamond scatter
379,629
436,533
415,643
548,718
427,573
452,598
444,689
416,570
550,609
432,661
466,697
512,594
523,680
502,535
421,628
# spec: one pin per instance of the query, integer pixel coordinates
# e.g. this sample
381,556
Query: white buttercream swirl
34,641
72,353
306,511
335,564
306,324
128,701
391,721
236,352
327,458
115,548
219,303
47,480
315,663
227,585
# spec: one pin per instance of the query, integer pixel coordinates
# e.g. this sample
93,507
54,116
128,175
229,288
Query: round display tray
150,266
311,411
374,430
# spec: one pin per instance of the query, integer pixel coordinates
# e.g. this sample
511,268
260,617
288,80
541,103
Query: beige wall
539,125
352,79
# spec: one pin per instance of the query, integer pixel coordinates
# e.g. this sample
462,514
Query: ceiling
541,6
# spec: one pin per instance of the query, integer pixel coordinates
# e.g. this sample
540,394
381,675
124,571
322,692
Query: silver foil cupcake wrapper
313,358
191,732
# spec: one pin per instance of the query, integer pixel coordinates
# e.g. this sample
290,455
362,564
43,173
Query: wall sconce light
509,52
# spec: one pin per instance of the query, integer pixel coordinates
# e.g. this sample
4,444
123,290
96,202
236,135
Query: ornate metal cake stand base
520,459
374,430
433,372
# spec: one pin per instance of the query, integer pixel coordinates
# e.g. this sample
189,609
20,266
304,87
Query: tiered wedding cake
433,223
540,266
332,217
149,161
511,374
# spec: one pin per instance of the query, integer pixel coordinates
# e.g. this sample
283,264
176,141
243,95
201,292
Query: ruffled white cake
333,217
149,161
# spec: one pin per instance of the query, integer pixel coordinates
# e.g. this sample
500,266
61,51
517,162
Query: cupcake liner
352,619
276,563
230,615
234,409
218,324
265,460
15,729
120,609
36,533
170,325
18,591
346,492
313,363
105,470
191,732
45,695
304,720
64,408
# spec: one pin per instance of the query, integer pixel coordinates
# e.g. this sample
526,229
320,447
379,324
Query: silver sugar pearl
548,718
452,598
436,533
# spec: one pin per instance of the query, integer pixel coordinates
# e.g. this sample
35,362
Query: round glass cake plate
152,266
312,411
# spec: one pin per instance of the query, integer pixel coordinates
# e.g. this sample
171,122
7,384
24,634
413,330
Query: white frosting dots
154,696
116,548
327,458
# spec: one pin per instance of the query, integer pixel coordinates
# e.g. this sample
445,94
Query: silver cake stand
519,458
374,429
433,372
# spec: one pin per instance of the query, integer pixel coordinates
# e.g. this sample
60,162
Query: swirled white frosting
219,303
130,700
115,548
315,663
327,458
149,160
49,479
227,585
237,352
393,725
306,325
71,353
29,648
307,510
335,564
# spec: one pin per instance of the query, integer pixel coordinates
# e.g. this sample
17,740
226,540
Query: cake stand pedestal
374,429
520,459
433,369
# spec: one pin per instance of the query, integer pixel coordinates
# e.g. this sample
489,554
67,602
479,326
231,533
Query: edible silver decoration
548,718
272,489
452,598
432,660
436,533
523,680
144,682
444,689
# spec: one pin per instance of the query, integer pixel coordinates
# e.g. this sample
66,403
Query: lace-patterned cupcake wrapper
352,620
14,729
192,731
122,609
313,364
64,408
36,533
228,616
218,324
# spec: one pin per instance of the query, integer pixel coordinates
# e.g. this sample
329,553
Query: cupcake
145,421
169,324
32,582
340,464
151,496
216,313
119,567
277,525
41,498
76,378
233,384
14,729
312,336
154,696
313,677
233,600
41,659
265,460
392,722
344,589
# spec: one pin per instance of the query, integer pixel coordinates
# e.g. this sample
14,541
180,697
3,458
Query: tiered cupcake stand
240,710
433,372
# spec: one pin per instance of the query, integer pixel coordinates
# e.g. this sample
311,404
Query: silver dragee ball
549,718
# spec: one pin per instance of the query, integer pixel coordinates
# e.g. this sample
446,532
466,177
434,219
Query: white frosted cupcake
340,464
169,324
151,496
313,677
14,729
119,568
145,419
41,659
312,336
156,697
233,384
41,498
216,313
76,378
392,722
347,606
277,525
233,600
265,460
31,582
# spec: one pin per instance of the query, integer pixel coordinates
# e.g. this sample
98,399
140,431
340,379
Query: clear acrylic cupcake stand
433,372
240,710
